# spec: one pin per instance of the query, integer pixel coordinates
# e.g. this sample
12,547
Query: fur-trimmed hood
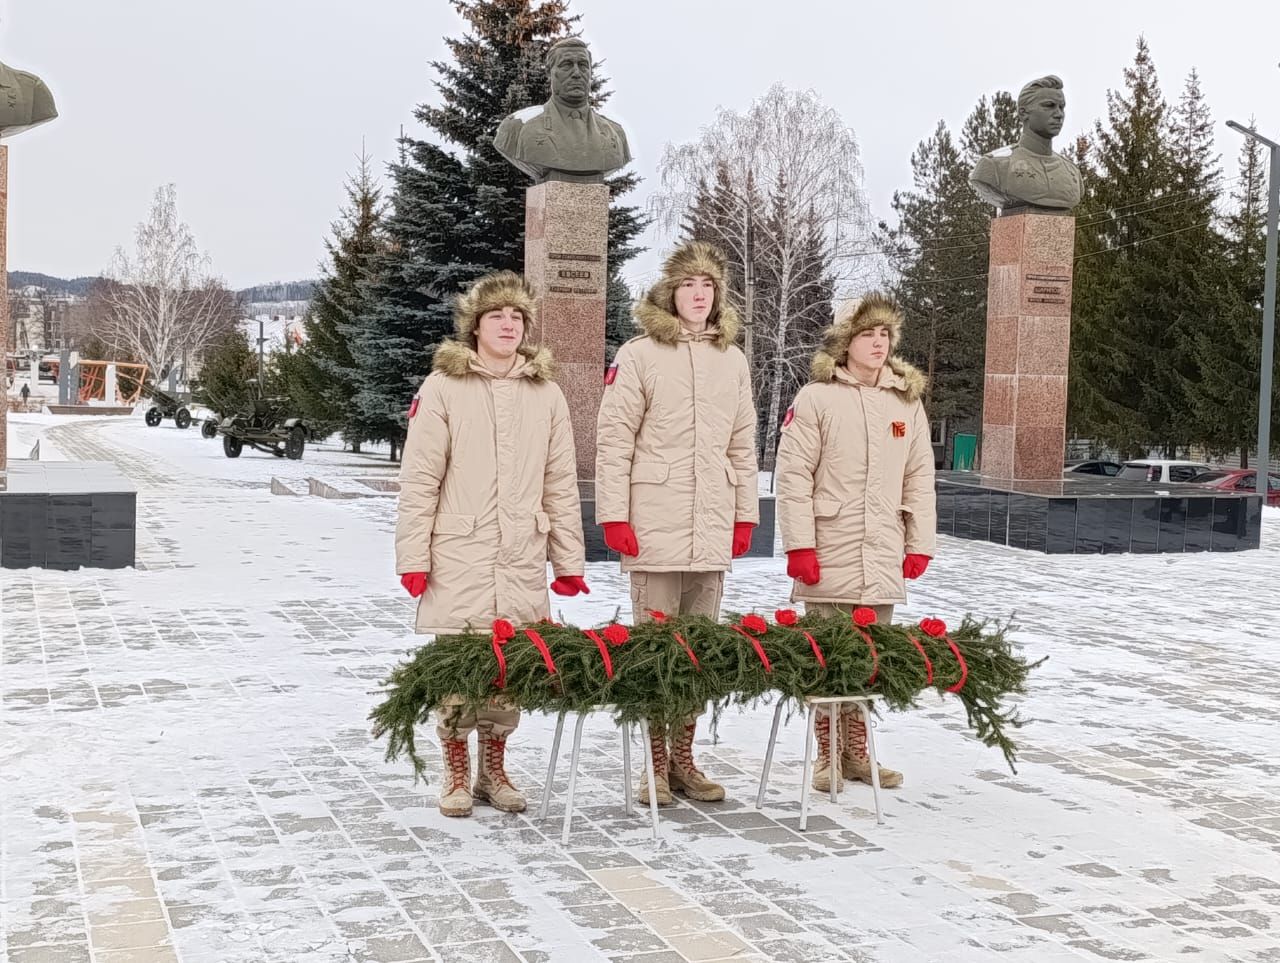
854,317
456,360
898,374
656,311
489,293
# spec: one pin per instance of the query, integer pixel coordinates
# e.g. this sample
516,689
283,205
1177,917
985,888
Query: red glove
570,585
621,537
415,583
913,566
742,537
802,563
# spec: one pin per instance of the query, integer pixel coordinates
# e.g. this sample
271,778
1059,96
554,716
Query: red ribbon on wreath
541,646
789,618
693,658
862,617
938,629
928,663
755,624
594,636
503,632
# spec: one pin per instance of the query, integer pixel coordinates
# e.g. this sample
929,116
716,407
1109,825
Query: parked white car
1162,470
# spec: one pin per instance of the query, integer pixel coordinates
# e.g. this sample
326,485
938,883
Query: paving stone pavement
186,772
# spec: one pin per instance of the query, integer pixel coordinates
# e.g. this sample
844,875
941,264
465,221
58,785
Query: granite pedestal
565,259
1096,516
67,515
1024,407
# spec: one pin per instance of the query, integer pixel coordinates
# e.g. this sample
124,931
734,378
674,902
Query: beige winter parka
488,491
675,452
855,477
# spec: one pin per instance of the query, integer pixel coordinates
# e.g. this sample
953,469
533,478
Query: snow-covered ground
186,770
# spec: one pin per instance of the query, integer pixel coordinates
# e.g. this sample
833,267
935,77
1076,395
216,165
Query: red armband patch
610,374
789,416
413,406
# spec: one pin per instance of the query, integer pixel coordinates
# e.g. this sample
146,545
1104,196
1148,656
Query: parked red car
1240,480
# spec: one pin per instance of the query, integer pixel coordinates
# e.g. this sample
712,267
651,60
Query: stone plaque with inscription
565,259
1024,411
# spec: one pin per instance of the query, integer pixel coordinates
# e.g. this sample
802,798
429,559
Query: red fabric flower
864,616
753,623
657,616
934,627
617,634
785,616
503,630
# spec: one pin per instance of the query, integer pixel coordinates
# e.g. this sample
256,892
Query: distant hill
279,291
282,292
76,286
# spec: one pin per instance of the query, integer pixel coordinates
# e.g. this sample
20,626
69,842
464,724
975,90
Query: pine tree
226,370
1147,265
457,206
321,378
941,246
1225,395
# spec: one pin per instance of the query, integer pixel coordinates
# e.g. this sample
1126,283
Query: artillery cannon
264,427
165,405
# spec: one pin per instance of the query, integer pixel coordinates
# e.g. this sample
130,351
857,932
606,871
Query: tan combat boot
455,786
686,777
853,753
492,785
825,763
661,769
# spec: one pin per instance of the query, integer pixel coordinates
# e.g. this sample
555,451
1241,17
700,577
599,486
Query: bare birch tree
782,185
161,303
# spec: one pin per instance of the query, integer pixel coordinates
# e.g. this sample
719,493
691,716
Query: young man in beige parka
488,493
676,467
855,493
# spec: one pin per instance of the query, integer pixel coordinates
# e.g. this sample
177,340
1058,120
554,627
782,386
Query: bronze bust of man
24,101
1029,173
564,139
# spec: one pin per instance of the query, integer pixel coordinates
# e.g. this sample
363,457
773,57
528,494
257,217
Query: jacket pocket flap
905,510
544,522
455,524
733,475
652,472
825,508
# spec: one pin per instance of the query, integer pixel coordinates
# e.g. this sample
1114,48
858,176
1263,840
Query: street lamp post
1268,302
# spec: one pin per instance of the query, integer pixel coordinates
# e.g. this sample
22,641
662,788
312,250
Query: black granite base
67,515
1097,516
762,537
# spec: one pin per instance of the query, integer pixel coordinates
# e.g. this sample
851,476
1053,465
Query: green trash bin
964,452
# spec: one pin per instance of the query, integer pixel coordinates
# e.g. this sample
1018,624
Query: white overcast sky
256,109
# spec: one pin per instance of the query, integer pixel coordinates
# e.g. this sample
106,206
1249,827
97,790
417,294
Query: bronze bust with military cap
25,101
564,139
1029,174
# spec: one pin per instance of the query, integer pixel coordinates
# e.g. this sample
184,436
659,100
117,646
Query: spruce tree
321,378
457,206
941,246
1225,395
1148,265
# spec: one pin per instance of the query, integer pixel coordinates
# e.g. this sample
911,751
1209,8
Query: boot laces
494,761
459,764
682,752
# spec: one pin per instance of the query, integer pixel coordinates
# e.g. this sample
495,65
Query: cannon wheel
153,417
296,443
231,447
182,418
209,428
